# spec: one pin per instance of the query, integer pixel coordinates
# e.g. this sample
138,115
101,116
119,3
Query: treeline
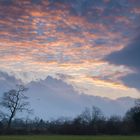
89,122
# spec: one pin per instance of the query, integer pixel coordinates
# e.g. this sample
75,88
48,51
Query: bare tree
15,101
96,113
86,115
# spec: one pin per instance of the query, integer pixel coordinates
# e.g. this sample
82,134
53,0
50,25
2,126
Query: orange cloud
34,37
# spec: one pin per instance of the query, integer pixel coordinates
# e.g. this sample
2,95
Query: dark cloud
6,2
129,56
36,1
7,82
132,80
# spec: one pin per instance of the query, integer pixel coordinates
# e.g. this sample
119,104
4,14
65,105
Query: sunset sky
93,45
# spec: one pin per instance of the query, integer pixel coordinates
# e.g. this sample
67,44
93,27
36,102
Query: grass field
69,137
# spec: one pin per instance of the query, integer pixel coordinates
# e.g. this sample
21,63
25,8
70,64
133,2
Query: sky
93,45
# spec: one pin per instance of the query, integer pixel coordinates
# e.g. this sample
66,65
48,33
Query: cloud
58,98
65,101
7,82
129,56
46,37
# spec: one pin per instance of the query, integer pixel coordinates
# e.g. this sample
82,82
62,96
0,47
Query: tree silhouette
134,115
15,101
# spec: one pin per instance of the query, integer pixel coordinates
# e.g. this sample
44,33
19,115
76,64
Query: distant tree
14,101
96,120
86,116
133,115
96,114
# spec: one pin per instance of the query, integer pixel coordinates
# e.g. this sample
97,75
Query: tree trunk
12,114
9,122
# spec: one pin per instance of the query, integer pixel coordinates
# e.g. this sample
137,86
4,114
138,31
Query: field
69,137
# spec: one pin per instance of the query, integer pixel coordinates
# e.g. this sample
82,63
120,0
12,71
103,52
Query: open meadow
69,137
